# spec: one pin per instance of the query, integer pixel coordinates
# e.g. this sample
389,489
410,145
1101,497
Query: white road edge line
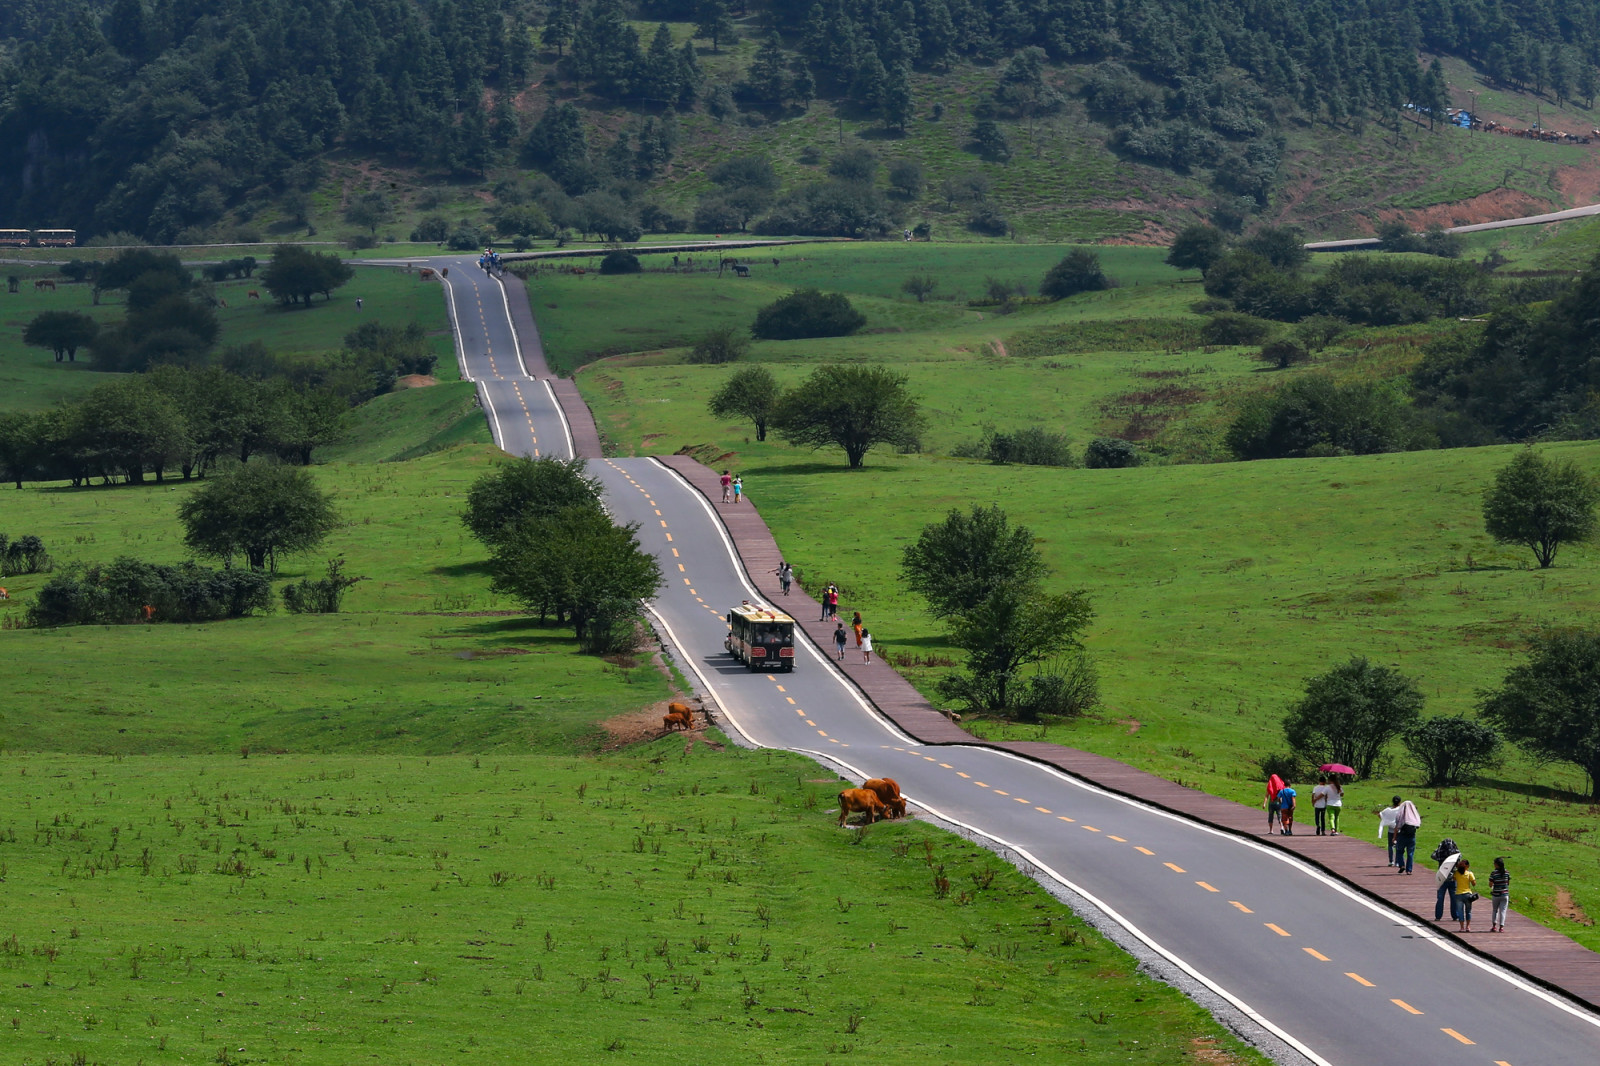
1384,910
494,415
1110,912
512,326
572,452
455,328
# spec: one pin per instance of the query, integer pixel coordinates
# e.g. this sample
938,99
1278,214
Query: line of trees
553,547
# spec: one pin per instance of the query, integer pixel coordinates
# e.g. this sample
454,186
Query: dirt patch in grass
1132,724
1568,908
1488,207
415,381
643,726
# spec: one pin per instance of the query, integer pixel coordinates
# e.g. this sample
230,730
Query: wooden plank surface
580,420
1536,951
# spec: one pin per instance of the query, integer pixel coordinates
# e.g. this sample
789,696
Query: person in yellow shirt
1466,892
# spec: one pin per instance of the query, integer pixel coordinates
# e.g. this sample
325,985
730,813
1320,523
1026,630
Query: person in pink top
727,487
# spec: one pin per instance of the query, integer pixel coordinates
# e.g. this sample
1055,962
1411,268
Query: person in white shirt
1335,805
1319,805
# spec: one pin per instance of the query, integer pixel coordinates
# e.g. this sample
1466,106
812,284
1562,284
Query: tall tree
853,407
957,563
63,332
258,511
751,393
713,21
1541,504
1549,705
1351,713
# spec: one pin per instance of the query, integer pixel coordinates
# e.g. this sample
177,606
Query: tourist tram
761,638
43,238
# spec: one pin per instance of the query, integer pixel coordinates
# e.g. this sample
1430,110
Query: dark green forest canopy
158,116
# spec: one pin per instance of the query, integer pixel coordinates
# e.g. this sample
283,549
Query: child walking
866,647
1499,896
1466,893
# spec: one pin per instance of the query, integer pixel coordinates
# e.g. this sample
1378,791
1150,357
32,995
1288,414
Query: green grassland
411,422
1218,588
31,379
423,659
668,905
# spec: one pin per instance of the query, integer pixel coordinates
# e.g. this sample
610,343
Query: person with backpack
1407,821
1319,806
1447,854
1286,796
840,639
1274,786
1499,896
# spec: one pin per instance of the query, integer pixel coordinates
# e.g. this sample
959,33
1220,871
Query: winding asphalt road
1333,976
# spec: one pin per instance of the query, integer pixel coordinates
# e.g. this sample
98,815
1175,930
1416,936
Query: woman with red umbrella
1335,792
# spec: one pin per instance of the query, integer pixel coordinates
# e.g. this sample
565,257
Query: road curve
1334,976
1477,227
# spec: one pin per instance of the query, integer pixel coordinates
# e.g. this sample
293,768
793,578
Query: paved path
1336,975
1506,223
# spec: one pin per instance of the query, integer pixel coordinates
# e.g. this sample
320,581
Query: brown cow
444,272
44,283
888,790
852,800
683,709
253,295
425,274
221,302
675,721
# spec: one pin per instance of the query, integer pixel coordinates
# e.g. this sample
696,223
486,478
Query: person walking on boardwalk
1335,804
1466,886
1447,855
738,488
1499,896
830,601
1286,796
1407,821
855,624
866,647
785,574
840,639
1274,786
1319,806
727,486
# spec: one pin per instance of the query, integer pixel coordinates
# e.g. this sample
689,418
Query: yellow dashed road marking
1119,840
1043,810
1362,981
1205,886
1403,1005
960,774
1064,818
1091,829
1001,792
1458,1036
1276,929
1145,851
980,784
1241,906
1315,954
1174,867
947,766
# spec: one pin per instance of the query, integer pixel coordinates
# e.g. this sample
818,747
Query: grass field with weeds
672,904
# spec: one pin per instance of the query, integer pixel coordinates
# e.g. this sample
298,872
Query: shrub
1316,416
1452,749
1230,327
120,592
322,596
724,345
808,313
620,263
1110,453
1286,765
465,239
1079,271
1282,353
1032,446
990,220
431,229
25,555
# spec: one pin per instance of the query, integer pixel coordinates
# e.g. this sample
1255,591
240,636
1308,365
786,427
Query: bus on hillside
15,238
43,238
761,638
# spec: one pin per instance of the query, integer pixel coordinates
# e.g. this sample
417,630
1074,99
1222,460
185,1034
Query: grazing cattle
253,295
863,800
425,274
444,272
683,709
221,302
888,791
741,271
44,283
676,721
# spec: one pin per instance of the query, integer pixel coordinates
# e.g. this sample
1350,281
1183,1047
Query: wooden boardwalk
1537,952
585,435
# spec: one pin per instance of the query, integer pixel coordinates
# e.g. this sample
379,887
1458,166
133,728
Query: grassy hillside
1217,588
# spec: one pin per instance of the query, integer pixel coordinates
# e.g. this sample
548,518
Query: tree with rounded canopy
1197,247
296,274
957,563
1351,713
63,332
1078,271
721,345
1550,705
1541,504
920,285
807,313
1452,749
520,490
853,407
260,511
750,392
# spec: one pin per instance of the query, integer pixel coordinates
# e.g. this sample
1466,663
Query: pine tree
712,20
766,77
897,106
560,22
507,130
802,86
690,77
662,76
870,81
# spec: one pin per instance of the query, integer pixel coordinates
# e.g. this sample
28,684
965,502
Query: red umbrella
1336,768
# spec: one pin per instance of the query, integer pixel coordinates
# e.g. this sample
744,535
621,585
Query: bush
620,263
1316,416
1230,327
129,590
808,313
724,345
320,597
1079,271
1286,765
1110,453
1033,446
431,229
989,219
1452,749
1282,353
466,239
25,555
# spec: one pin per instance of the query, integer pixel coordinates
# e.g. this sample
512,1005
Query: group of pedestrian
1458,883
841,638
732,487
1327,803
1280,806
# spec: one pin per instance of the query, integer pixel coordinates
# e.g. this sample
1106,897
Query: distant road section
1505,223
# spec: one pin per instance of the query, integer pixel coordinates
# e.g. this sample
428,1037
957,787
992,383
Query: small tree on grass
1012,628
1541,504
807,313
1351,713
724,345
322,596
853,407
520,490
1197,247
296,274
63,332
750,392
1316,332
1550,705
1282,353
1231,327
920,285
956,563
259,511
1078,271
620,263
1452,749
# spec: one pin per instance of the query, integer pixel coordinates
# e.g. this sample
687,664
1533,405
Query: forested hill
179,118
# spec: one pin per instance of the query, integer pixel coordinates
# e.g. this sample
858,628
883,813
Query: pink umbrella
1336,768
